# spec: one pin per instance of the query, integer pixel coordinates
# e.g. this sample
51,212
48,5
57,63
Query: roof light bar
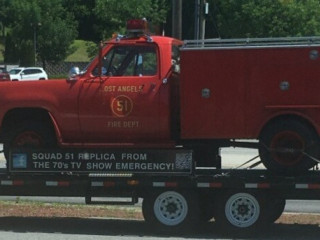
137,26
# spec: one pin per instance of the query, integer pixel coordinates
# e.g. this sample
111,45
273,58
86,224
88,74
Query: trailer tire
170,209
239,211
31,134
283,145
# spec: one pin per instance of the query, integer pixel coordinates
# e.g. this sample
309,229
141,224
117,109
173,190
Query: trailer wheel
239,210
28,134
170,209
285,146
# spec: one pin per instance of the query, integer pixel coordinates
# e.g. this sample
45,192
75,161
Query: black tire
31,134
274,209
239,211
283,145
170,210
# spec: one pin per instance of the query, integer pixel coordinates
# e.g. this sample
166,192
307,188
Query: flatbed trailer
137,186
235,198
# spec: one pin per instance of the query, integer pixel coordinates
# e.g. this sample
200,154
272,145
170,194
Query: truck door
122,105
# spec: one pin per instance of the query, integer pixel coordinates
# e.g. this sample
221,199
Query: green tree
46,23
10,55
112,14
83,11
4,15
57,32
267,18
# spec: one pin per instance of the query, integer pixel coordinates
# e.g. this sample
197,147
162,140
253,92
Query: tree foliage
56,22
83,11
41,25
5,18
57,32
113,14
267,18
99,19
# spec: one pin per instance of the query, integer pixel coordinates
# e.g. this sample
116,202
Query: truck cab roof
145,39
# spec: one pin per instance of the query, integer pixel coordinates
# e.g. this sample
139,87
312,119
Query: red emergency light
137,26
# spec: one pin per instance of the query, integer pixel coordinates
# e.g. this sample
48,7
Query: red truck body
245,85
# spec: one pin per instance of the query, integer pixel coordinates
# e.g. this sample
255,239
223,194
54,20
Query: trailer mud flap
97,160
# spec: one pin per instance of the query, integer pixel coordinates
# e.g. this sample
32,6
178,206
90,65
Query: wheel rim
170,208
28,139
242,210
287,148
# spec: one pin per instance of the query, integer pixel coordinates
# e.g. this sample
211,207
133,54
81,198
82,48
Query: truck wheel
239,210
28,134
285,147
274,209
170,209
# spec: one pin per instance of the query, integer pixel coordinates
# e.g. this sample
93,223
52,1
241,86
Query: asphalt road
78,229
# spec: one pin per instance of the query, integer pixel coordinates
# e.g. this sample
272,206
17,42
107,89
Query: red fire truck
159,110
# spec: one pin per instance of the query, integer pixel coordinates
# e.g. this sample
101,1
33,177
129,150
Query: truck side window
130,61
105,64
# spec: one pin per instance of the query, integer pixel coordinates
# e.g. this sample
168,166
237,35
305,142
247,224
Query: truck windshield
130,61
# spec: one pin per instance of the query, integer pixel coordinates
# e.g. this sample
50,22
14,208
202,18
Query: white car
27,74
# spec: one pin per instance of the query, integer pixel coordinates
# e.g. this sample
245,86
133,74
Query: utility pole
196,19
177,19
35,27
201,9
204,9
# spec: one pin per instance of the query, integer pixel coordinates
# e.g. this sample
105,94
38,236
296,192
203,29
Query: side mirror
175,67
74,71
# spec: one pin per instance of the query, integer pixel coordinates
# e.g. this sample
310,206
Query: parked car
27,74
4,76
